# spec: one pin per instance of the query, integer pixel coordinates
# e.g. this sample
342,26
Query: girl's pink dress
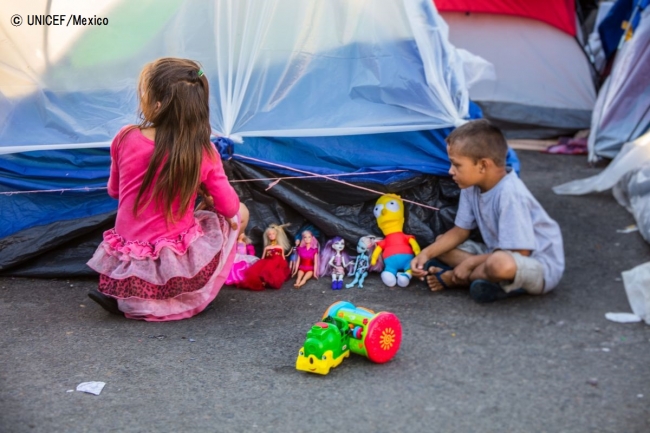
159,271
244,258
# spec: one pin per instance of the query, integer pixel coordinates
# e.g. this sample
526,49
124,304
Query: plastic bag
637,288
633,192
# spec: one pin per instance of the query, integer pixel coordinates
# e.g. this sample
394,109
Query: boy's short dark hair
478,139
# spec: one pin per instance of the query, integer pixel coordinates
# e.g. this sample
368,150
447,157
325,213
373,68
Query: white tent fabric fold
276,67
632,156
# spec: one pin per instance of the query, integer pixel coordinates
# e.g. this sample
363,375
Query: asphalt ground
529,364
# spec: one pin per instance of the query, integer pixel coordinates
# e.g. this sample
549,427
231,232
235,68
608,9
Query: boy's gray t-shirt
510,218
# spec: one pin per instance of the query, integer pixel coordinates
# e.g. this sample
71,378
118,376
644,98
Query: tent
622,111
545,84
333,91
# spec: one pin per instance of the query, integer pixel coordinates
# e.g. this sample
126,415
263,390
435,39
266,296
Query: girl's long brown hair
174,100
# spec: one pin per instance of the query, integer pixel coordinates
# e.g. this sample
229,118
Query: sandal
438,276
484,291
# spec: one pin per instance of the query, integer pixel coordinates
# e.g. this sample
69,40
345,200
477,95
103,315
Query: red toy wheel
383,337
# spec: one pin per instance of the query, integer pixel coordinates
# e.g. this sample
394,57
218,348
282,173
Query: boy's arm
445,243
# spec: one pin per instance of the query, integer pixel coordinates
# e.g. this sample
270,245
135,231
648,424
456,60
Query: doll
361,265
272,270
244,258
397,248
307,262
334,260
293,255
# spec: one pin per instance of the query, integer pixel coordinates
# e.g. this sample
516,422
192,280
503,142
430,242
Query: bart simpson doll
397,248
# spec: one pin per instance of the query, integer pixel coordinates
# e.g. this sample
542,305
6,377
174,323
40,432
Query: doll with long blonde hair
272,270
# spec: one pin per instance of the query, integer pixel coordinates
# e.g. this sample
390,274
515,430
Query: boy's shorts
530,271
529,276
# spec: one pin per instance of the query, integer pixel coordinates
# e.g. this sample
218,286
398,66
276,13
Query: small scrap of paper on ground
623,317
628,229
91,387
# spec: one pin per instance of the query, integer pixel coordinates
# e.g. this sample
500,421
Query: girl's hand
207,201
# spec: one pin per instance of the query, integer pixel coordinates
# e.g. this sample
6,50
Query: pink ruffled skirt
172,279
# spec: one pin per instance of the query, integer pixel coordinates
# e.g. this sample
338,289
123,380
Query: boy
523,250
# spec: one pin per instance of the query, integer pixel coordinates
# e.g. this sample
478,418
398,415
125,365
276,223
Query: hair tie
200,73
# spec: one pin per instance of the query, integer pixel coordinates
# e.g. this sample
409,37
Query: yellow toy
345,328
397,249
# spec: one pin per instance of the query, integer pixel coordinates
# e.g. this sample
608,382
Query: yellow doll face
272,234
307,237
389,211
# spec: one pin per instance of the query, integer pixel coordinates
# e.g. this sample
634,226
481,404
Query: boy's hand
461,273
417,266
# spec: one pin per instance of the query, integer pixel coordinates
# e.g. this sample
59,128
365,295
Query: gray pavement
529,364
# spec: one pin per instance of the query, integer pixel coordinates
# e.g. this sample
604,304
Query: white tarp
536,64
622,111
276,67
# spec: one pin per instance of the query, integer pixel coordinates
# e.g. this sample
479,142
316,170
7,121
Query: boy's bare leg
500,266
451,258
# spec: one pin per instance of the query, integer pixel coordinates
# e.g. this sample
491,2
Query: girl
163,261
272,270
307,263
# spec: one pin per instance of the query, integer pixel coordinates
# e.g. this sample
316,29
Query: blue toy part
398,263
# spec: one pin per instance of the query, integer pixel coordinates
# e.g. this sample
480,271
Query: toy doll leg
363,277
297,283
404,278
334,282
303,279
356,279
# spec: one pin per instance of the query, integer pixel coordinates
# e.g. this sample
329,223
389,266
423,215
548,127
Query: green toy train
345,328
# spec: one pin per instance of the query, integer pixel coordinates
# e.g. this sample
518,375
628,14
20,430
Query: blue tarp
613,26
418,152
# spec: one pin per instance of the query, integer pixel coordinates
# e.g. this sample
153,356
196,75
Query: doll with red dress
307,259
272,270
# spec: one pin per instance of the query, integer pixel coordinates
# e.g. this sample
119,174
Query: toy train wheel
383,337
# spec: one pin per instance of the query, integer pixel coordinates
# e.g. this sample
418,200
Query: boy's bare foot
439,279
